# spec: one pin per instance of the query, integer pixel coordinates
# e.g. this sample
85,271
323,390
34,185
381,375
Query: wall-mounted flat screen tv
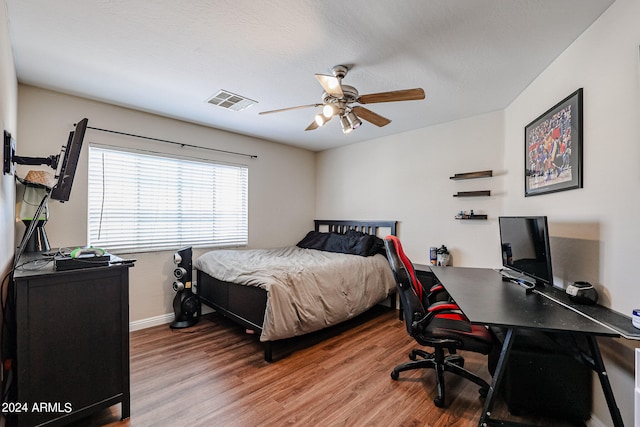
62,189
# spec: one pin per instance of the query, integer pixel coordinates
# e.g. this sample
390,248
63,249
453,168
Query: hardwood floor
213,374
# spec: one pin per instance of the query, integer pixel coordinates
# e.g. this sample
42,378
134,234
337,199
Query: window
142,203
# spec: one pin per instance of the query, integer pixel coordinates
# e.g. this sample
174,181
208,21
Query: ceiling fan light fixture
321,119
346,126
353,120
337,100
329,110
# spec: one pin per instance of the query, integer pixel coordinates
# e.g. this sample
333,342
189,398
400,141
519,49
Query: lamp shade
30,201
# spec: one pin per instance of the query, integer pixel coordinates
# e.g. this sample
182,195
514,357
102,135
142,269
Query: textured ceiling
170,56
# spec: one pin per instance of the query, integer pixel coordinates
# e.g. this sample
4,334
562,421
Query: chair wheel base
395,375
415,353
456,360
439,402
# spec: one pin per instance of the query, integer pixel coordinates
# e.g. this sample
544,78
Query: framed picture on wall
553,148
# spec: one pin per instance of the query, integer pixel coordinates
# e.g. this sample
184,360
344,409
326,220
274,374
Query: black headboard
368,227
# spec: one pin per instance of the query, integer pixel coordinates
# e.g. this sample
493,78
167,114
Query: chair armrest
441,310
442,305
436,288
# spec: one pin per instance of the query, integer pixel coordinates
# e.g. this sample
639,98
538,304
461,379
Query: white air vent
231,101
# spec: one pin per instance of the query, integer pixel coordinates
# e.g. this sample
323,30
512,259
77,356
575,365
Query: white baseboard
163,319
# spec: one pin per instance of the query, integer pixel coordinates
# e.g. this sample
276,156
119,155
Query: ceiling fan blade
370,116
394,95
331,85
312,126
290,108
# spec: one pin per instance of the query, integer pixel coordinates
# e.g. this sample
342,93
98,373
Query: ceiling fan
337,100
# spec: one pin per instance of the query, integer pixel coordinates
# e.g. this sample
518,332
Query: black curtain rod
253,156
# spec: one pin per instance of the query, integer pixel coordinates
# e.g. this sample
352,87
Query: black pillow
378,246
314,240
345,244
365,244
352,242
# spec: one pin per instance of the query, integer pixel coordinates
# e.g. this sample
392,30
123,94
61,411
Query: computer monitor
62,189
525,247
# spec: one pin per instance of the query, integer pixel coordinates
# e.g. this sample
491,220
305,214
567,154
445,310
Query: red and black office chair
435,323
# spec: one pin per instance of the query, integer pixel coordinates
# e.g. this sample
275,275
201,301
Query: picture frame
553,148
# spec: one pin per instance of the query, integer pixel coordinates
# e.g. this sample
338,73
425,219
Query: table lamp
38,185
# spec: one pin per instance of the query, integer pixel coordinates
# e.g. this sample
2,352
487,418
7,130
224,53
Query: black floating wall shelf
471,217
472,175
473,193
480,193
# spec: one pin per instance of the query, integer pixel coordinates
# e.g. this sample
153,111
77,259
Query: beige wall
595,230
605,62
8,114
405,177
281,180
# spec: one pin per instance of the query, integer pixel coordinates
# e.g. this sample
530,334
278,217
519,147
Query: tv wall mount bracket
9,157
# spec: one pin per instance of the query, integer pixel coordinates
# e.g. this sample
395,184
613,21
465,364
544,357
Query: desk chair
435,323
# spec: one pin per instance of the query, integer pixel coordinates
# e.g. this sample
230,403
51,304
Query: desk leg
604,381
485,418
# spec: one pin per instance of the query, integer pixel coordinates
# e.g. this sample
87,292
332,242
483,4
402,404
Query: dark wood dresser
72,336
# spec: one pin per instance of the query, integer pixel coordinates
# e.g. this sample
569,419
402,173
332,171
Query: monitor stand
523,280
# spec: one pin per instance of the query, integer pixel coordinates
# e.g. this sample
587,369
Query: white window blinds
141,202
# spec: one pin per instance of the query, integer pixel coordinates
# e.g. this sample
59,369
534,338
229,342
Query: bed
284,292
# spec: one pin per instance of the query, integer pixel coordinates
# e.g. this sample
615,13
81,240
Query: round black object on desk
582,293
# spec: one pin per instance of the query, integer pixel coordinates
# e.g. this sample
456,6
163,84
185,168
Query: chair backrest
408,266
420,312
409,287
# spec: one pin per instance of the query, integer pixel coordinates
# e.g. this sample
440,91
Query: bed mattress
307,289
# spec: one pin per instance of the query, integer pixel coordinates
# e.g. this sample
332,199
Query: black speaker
582,293
182,272
186,304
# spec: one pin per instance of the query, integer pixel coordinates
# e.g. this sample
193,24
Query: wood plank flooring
214,374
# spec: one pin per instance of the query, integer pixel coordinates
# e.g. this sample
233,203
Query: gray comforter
307,289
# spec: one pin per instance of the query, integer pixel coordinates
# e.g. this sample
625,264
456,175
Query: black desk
486,299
